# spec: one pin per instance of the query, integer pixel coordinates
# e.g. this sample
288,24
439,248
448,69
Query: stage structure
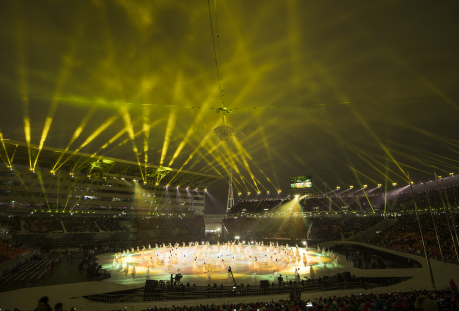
66,180
201,263
230,202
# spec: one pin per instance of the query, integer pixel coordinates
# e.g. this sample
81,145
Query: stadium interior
323,177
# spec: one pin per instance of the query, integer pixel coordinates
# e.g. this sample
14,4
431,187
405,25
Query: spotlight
412,182
258,192
278,191
337,188
351,187
239,193
394,184
248,192
167,185
157,184
177,187
365,186
268,192
205,189
439,176
186,188
379,185
451,174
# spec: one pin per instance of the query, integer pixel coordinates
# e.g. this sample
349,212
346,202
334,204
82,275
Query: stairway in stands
63,227
309,230
372,231
23,230
97,225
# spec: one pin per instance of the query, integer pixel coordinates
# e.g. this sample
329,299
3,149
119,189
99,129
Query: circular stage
208,264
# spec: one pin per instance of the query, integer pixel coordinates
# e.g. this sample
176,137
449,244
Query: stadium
228,155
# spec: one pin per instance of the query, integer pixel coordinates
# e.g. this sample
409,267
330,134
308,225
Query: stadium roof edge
98,157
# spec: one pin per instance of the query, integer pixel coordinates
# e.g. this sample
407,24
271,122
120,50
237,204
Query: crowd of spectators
42,225
169,223
256,206
420,300
354,225
357,203
9,250
80,224
405,199
326,229
253,228
111,225
404,235
10,224
323,228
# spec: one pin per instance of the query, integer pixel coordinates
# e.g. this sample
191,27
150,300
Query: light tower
230,202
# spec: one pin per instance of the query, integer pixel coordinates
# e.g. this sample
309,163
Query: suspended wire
218,45
215,52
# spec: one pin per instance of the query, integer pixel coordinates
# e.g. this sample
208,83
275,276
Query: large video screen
300,182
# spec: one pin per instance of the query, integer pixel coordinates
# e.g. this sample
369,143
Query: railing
210,293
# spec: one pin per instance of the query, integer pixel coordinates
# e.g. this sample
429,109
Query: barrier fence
210,293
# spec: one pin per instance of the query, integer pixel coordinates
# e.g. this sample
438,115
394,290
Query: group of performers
208,258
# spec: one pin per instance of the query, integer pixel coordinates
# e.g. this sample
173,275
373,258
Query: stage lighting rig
224,110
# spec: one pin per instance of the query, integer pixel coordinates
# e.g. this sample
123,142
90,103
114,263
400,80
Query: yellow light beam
146,133
130,129
365,124
91,137
76,134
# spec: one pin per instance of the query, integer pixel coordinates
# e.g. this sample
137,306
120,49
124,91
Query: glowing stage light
268,192
205,190
167,185
157,184
351,187
258,192
186,188
439,176
278,191
412,182
337,188
379,185
394,184
177,187
239,193
365,186
248,192
451,174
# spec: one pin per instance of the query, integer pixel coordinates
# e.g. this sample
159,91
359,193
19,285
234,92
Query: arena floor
154,264
72,295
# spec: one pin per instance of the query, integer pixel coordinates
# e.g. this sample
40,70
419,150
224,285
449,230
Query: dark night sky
357,86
